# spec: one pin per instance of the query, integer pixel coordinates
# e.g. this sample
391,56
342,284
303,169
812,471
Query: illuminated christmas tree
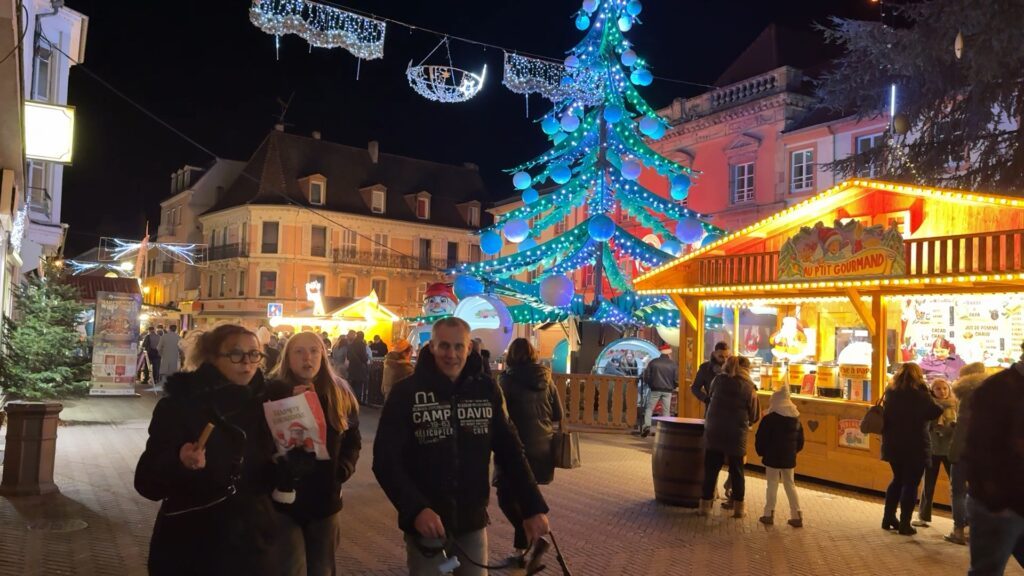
597,128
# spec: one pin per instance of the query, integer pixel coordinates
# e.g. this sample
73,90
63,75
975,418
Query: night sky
202,67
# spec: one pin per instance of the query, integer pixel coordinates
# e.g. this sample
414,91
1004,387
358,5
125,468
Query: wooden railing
598,400
982,253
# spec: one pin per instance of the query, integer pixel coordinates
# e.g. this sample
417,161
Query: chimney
316,134
279,127
374,149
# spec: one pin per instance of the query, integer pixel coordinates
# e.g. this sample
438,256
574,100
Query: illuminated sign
49,132
275,310
846,249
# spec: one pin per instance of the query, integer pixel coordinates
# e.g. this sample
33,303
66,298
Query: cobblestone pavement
603,513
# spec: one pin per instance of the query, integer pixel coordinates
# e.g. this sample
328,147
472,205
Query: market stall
336,316
830,295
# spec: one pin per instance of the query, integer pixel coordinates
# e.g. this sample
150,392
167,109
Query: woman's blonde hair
738,367
340,398
908,375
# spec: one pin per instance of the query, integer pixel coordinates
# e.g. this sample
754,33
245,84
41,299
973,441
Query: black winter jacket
434,443
906,414
358,367
318,493
778,440
217,520
701,386
732,408
995,441
662,374
533,407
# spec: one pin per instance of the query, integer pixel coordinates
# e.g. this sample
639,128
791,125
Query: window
474,216
349,245
177,215
320,279
241,282
865,143
269,238
347,286
42,71
268,283
742,183
380,286
377,202
223,284
38,192
560,227
245,239
316,193
209,285
380,246
587,276
425,253
423,208
318,241
474,252
453,253
801,173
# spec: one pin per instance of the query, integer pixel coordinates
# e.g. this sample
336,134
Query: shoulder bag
565,445
873,422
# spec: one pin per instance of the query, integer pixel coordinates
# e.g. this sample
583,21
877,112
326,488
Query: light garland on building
321,25
18,230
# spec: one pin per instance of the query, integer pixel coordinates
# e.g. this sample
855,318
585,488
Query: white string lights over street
321,25
117,249
444,83
552,80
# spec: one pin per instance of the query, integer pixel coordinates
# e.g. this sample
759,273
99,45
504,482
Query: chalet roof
88,286
272,176
777,46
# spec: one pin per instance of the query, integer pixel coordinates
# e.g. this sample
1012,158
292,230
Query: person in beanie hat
779,437
662,377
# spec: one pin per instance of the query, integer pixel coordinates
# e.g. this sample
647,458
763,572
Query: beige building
354,219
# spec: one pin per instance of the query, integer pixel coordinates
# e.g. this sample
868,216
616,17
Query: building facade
352,219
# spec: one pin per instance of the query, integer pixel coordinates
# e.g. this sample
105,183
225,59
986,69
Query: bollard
31,448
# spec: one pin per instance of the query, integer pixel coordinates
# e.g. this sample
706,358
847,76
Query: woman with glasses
215,516
308,524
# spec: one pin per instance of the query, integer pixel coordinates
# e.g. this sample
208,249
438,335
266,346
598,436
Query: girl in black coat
907,408
216,517
309,523
533,407
779,437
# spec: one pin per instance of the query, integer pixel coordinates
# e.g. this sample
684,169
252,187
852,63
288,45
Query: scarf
949,406
782,404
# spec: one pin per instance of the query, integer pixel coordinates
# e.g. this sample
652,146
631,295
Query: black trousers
902,491
713,461
931,474
510,506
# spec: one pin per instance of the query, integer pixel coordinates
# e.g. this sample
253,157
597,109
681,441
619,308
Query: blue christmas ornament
625,23
582,22
466,286
559,136
527,244
521,180
679,194
613,113
516,230
642,77
550,125
571,61
557,290
673,247
631,169
590,5
680,182
561,174
689,230
659,131
649,125
490,243
570,122
628,58
710,239
634,8
530,195
601,227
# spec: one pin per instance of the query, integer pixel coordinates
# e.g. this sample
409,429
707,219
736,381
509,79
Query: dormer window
377,200
473,218
423,208
316,193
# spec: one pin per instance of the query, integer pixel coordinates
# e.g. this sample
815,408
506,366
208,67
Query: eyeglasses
237,356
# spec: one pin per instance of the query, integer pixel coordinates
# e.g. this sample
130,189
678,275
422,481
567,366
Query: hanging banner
843,250
115,349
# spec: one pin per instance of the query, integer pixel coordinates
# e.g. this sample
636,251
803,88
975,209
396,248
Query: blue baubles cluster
680,186
613,113
628,58
527,244
466,286
631,169
561,174
641,77
516,230
570,122
673,247
557,290
550,125
689,230
490,243
601,228
652,127
521,180
590,5
530,195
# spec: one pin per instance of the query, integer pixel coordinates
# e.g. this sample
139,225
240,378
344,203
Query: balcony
40,203
226,251
389,259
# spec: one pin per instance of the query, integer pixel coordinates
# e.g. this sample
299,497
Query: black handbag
873,421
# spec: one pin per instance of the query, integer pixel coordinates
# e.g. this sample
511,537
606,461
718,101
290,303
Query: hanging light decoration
321,25
444,83
525,75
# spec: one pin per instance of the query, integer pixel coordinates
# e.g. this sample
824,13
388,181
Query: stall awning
88,286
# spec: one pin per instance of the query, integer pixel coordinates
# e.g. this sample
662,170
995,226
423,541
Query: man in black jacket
701,386
432,454
662,377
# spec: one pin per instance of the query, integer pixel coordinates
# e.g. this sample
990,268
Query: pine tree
42,354
598,153
957,121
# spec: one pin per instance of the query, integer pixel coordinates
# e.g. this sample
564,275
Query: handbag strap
563,426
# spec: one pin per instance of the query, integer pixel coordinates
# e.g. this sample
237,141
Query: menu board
986,329
115,349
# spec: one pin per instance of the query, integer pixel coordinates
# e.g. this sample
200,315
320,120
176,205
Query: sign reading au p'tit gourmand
845,249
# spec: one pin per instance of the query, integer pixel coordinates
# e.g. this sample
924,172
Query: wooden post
878,347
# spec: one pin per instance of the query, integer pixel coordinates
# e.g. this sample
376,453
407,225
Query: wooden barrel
678,461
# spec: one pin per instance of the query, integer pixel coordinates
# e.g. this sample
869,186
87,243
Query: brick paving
604,514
